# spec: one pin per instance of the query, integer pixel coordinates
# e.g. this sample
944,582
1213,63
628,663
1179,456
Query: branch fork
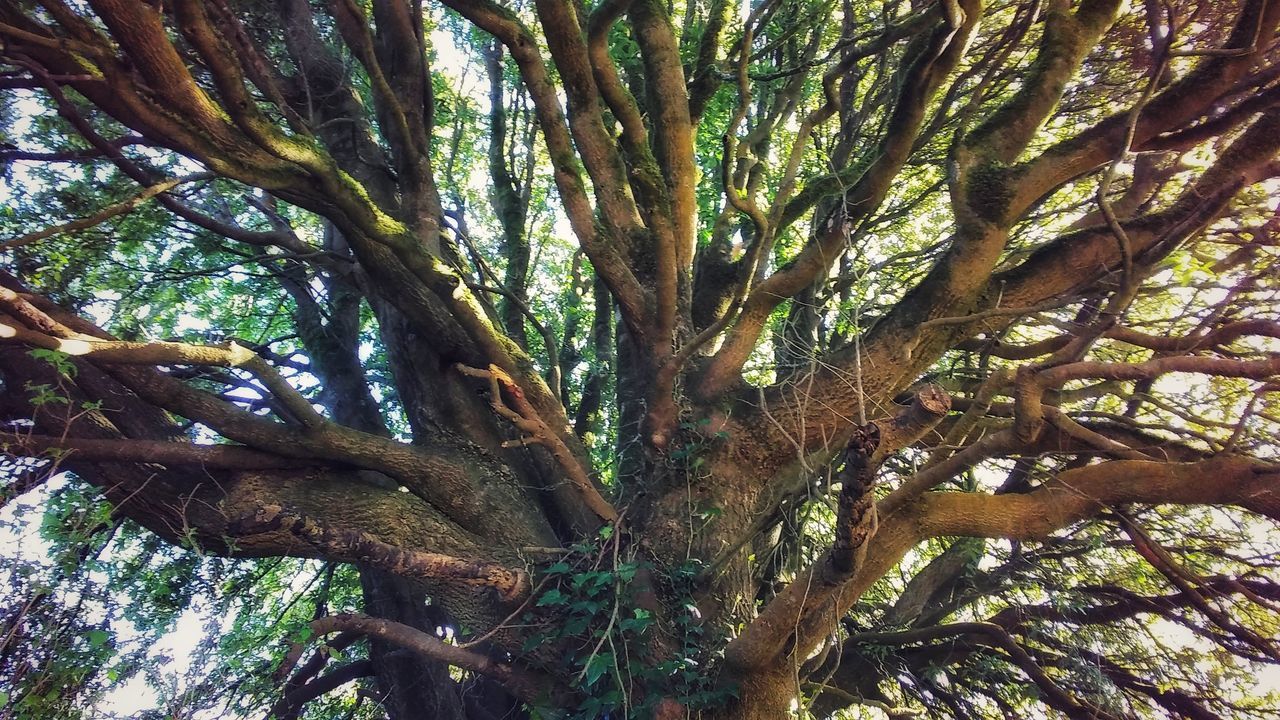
537,432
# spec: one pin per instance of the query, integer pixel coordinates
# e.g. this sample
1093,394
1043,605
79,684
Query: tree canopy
636,359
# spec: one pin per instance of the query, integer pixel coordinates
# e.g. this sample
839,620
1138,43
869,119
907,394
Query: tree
818,357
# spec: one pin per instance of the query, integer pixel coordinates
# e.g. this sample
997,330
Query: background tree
644,359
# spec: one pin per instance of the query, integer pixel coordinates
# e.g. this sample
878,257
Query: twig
105,214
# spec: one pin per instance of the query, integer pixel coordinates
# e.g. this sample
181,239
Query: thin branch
106,213
526,685
527,420
998,637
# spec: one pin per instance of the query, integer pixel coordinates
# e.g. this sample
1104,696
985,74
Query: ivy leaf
597,665
98,638
552,597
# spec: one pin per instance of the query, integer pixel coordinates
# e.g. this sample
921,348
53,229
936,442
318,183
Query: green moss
383,224
989,189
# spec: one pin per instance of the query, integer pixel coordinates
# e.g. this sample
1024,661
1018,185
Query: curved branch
105,214
289,706
1221,367
163,353
525,684
1077,494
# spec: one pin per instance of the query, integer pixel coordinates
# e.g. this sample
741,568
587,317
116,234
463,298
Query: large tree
645,359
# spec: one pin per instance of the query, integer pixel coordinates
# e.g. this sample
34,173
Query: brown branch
992,313
673,132
105,213
234,457
549,344
1222,335
289,706
1123,603
704,75
165,353
525,684
1221,367
990,445
527,420
65,44
224,66
1177,702
357,546
1080,493
313,666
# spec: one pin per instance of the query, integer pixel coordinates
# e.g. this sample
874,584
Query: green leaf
552,597
597,666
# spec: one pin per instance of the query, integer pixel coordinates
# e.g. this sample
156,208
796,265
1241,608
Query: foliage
590,610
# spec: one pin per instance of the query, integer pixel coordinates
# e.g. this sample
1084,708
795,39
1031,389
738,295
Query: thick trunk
760,696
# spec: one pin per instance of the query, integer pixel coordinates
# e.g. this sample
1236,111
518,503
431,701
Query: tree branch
357,546
1080,493
526,419
231,457
998,637
525,684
